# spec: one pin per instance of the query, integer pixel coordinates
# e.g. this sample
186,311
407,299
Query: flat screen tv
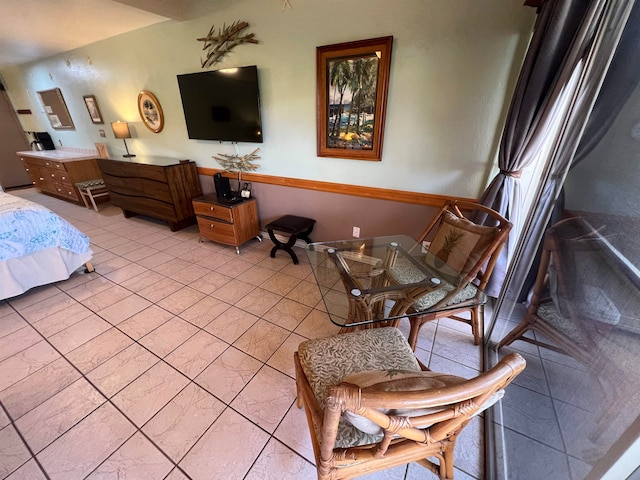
222,105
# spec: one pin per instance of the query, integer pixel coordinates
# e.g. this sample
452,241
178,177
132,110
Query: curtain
532,111
611,22
587,61
621,80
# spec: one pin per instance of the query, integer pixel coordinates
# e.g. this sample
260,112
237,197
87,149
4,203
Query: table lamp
121,130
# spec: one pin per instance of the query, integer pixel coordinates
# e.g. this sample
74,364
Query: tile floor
560,411
174,361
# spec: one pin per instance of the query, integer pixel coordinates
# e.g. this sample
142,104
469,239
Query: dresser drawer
214,211
217,231
65,190
39,162
57,175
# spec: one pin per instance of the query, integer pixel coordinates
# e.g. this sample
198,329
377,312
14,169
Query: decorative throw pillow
402,381
459,244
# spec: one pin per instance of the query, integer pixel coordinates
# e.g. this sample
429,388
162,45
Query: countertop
58,155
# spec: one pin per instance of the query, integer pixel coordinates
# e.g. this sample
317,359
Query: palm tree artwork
352,97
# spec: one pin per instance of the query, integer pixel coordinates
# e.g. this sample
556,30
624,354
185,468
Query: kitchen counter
57,155
56,172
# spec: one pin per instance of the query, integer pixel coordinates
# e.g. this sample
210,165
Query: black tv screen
222,105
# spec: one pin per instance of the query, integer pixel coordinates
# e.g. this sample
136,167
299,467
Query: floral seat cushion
326,361
404,272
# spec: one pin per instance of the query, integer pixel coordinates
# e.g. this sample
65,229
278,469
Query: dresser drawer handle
211,208
211,225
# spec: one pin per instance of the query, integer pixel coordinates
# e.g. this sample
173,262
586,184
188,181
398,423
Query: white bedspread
37,247
27,227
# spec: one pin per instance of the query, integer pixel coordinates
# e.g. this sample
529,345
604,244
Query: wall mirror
56,109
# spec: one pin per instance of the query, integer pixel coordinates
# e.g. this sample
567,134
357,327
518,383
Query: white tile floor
174,360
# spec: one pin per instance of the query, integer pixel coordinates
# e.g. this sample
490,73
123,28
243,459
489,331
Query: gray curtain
554,31
592,49
621,80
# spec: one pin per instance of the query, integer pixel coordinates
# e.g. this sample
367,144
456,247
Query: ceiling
34,29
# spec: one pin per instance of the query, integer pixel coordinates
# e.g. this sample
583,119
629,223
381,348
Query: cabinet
158,191
57,172
227,224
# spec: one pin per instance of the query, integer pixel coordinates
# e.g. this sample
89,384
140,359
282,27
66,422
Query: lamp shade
120,129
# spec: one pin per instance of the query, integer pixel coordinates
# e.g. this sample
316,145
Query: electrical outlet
356,232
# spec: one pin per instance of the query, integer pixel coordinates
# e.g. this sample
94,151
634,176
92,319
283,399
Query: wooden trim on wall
416,198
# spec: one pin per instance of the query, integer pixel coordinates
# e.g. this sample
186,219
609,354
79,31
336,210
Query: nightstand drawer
217,231
214,211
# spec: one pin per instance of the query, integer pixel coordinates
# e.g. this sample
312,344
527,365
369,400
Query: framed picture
150,111
351,98
92,106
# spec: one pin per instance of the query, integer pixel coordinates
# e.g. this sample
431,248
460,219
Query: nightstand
230,224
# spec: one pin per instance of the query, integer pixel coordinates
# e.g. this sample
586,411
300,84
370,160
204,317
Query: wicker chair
371,405
582,295
480,245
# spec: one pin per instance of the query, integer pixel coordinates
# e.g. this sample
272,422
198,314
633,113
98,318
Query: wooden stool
296,227
92,189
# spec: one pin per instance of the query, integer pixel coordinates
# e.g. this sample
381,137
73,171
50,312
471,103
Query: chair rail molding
426,199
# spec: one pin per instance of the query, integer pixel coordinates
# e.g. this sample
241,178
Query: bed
37,246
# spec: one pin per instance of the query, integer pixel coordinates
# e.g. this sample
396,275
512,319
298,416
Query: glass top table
370,280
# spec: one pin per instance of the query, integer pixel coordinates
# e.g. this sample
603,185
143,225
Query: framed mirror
56,109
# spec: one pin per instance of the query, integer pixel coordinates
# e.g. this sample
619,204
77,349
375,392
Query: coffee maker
42,141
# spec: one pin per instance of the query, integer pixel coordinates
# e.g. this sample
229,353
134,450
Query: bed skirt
38,268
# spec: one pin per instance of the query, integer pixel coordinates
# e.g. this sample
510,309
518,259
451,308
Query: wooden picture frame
359,133
150,111
93,109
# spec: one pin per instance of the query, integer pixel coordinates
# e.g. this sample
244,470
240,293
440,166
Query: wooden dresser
230,224
162,188
56,172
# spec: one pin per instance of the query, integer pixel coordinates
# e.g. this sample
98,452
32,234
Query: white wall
453,69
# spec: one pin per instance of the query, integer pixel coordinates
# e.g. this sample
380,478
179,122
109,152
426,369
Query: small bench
92,189
296,227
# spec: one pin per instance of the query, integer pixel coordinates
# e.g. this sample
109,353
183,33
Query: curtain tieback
514,174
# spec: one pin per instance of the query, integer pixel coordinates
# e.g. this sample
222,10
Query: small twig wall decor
217,45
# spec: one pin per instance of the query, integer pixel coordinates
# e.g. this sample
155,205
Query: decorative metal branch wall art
217,45
237,163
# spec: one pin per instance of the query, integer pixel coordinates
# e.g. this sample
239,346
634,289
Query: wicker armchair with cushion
371,405
585,293
468,248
